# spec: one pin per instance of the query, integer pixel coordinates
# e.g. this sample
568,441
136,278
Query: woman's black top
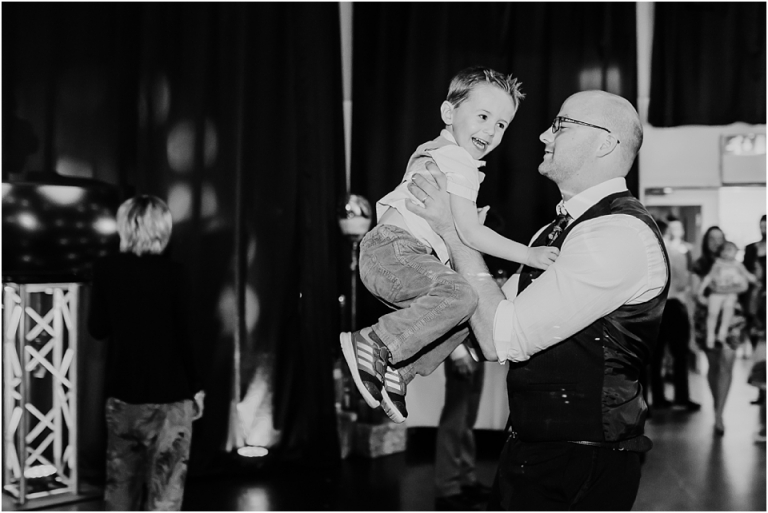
751,260
138,304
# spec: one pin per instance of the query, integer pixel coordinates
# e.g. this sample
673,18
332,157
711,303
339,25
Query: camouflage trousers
147,451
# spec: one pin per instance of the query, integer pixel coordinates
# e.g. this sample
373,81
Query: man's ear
609,144
446,112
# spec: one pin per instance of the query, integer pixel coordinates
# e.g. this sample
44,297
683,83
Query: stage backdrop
406,53
232,113
708,63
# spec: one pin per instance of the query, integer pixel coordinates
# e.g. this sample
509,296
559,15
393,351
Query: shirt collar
580,203
445,134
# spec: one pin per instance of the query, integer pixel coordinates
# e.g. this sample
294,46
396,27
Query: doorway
690,215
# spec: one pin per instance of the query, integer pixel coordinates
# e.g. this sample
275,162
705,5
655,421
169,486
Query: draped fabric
406,53
708,63
232,113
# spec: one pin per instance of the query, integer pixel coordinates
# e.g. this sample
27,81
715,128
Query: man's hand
469,262
437,206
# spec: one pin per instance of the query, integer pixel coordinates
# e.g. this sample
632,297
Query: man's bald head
616,114
596,139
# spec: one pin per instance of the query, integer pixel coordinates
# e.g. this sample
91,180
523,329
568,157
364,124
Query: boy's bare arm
482,238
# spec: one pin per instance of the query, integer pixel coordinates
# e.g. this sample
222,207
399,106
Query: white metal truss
40,390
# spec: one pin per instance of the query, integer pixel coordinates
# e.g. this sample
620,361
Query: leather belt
637,444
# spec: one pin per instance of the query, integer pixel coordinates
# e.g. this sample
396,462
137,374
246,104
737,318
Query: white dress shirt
604,263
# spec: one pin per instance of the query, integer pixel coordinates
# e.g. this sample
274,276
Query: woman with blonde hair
153,389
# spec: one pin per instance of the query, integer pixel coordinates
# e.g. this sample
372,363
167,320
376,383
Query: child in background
726,280
153,389
406,264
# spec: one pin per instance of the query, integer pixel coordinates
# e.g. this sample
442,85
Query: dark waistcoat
587,387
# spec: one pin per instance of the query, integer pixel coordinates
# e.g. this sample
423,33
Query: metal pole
9,342
74,306
23,428
240,333
7,390
353,290
56,384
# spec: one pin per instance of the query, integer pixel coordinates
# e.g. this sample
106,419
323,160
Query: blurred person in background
754,261
725,281
456,485
722,357
675,330
154,392
757,373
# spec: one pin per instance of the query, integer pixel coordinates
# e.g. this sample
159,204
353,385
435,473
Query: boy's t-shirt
464,179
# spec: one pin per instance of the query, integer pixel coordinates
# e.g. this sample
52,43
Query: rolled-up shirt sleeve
603,264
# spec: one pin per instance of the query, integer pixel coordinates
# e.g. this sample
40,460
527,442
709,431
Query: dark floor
688,469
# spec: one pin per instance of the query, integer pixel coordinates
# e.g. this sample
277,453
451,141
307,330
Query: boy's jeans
432,302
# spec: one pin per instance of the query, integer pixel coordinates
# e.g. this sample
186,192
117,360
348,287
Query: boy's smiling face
479,122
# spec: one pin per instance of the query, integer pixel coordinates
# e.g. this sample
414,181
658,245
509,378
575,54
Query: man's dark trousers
550,476
675,333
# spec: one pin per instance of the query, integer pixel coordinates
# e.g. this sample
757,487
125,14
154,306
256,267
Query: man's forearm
469,263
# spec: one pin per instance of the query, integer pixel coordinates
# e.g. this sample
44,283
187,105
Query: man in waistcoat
577,336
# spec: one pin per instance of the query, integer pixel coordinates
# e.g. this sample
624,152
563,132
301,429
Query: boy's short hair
144,223
465,80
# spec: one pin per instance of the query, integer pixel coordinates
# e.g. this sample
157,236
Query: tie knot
559,224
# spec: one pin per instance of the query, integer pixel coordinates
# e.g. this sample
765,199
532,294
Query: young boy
406,264
726,280
153,386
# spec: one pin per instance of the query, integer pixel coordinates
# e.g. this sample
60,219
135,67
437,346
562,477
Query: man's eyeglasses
558,122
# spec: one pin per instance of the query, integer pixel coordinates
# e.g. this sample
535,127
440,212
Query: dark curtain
708,64
232,113
406,53
259,68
